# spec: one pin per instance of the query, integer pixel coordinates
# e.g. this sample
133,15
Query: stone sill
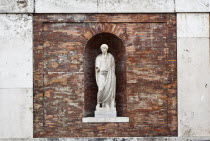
104,119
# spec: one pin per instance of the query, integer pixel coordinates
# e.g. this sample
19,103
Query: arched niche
92,49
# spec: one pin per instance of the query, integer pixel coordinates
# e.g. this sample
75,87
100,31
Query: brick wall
149,98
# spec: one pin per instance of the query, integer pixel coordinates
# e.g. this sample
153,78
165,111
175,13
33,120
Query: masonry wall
16,76
16,100
193,77
151,76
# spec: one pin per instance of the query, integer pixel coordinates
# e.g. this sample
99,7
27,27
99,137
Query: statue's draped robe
106,83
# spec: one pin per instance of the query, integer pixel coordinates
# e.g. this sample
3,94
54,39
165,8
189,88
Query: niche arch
92,49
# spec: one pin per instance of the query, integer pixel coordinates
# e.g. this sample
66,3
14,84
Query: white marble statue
105,79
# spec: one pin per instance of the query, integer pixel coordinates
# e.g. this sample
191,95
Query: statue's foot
108,106
97,106
112,104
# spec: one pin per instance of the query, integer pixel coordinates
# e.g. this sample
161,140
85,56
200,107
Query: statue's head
104,48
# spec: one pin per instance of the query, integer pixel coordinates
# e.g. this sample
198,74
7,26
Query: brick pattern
149,96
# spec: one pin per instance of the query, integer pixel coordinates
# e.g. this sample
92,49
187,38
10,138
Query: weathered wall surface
16,6
103,6
192,5
15,73
121,6
16,83
151,82
194,74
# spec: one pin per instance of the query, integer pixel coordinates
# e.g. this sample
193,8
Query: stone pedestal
102,119
106,112
105,115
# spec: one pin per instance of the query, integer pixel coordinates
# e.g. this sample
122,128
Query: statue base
102,119
106,112
105,115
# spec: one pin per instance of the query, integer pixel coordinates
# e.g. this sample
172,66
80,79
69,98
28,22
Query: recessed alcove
92,49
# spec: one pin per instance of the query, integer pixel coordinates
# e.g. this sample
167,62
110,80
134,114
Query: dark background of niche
92,49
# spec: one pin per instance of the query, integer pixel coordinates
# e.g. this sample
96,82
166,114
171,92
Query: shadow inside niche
92,50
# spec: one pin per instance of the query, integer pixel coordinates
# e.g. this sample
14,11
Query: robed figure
105,79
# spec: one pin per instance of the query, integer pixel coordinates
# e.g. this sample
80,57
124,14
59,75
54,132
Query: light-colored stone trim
104,6
193,25
193,74
16,118
16,80
16,6
16,65
101,120
192,5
